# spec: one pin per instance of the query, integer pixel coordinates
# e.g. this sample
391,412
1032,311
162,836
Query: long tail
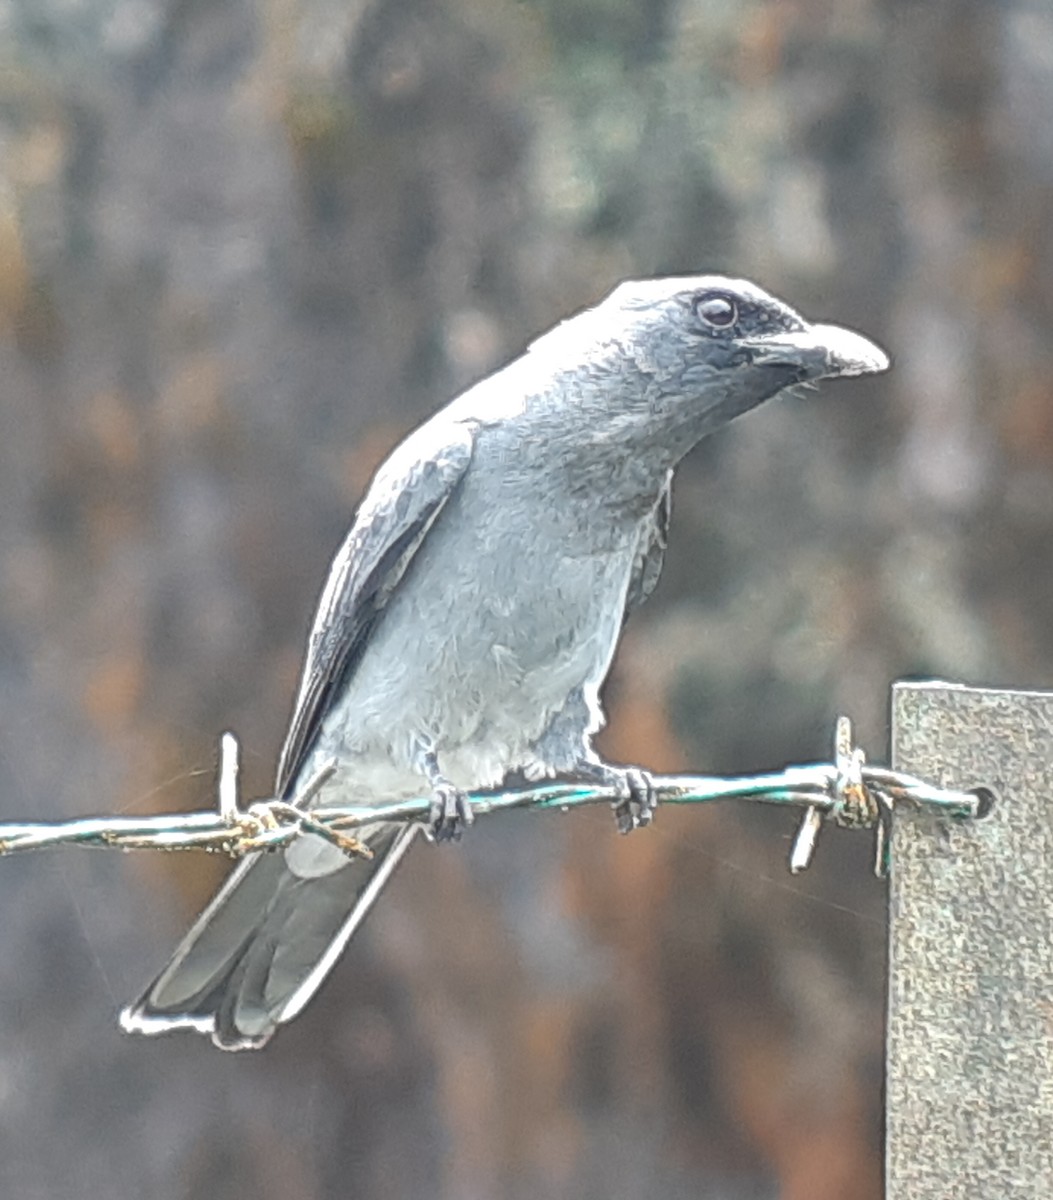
264,945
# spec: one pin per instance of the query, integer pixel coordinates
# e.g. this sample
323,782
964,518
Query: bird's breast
507,609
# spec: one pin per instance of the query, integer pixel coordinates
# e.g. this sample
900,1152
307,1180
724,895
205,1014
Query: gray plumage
472,613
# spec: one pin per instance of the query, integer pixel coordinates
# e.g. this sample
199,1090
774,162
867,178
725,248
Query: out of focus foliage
243,247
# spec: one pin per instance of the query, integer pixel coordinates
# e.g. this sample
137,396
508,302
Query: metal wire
845,791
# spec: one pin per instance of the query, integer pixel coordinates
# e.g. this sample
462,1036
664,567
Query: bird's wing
407,495
651,551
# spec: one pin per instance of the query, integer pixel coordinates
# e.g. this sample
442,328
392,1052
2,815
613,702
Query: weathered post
970,1023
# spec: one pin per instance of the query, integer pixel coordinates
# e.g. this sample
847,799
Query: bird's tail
265,944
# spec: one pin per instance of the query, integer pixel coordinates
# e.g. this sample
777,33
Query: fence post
970,1013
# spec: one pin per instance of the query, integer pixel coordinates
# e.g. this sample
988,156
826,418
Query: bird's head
698,330
669,360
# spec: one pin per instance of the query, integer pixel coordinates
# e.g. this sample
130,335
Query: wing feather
406,496
650,553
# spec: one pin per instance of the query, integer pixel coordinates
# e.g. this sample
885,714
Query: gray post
970,1022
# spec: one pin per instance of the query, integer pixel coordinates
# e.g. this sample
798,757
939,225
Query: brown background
243,247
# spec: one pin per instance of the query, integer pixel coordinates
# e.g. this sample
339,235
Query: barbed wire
845,791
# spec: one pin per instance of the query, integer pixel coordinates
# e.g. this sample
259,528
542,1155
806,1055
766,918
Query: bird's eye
716,309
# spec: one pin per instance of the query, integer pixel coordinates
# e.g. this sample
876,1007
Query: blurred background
244,246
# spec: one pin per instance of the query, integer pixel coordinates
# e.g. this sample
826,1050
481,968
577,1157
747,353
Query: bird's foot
637,798
636,805
450,813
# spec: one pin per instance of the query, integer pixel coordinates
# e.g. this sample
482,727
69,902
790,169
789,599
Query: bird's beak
822,352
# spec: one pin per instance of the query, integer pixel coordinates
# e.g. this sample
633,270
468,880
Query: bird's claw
636,805
450,813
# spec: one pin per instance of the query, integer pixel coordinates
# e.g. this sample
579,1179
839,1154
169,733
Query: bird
470,616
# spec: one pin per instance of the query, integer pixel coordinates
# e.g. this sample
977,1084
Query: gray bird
472,613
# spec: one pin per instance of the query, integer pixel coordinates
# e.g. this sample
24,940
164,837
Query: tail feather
264,945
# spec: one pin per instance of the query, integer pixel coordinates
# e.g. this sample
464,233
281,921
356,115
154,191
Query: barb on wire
846,791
